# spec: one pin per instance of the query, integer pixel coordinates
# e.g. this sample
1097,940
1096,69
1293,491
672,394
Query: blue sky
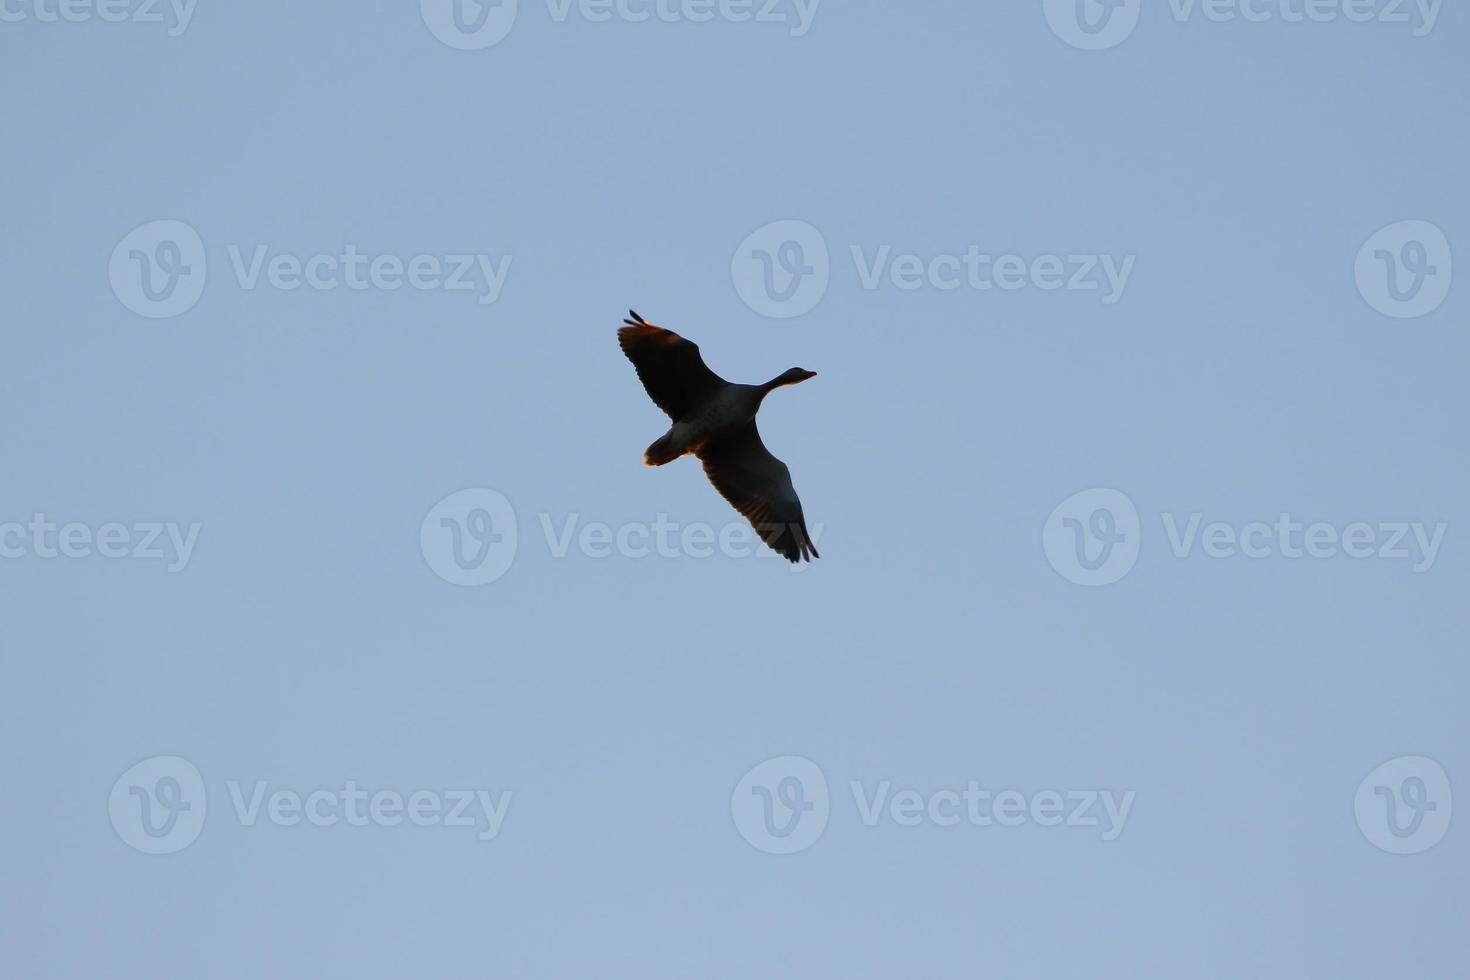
347,633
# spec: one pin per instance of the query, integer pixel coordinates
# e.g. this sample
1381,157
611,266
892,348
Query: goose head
794,376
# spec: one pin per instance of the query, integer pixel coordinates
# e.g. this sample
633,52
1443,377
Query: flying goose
715,420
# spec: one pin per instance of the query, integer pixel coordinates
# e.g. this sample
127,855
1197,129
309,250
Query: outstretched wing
759,486
672,372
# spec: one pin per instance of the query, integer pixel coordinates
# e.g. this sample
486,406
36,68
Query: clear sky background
621,700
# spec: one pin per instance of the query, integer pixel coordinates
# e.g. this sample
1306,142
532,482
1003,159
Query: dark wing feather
759,486
672,372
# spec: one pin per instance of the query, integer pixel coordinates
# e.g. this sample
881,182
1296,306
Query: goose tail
662,451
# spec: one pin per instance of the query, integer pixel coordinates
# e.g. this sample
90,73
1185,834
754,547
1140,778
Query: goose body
714,420
719,417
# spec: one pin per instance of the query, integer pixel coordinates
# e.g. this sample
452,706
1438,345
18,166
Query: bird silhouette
715,421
